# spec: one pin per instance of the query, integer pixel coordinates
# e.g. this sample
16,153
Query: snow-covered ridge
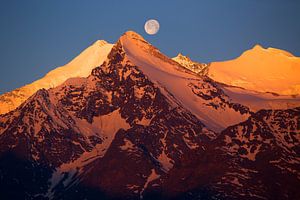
81,66
260,69
137,48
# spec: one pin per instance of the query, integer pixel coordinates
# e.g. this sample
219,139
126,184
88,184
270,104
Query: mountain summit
260,69
81,66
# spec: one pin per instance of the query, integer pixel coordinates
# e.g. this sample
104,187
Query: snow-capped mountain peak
80,66
259,49
133,35
182,57
194,66
260,69
100,42
138,49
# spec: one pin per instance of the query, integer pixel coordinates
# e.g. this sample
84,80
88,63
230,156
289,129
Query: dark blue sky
39,35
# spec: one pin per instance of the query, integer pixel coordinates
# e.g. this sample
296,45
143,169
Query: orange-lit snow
260,69
81,66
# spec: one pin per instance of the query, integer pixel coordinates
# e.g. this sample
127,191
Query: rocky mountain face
128,131
199,68
265,155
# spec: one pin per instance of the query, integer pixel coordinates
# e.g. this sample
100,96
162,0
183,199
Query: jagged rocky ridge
199,68
119,134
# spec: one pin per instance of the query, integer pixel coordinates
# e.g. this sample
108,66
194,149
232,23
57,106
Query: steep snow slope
81,66
181,83
260,69
260,100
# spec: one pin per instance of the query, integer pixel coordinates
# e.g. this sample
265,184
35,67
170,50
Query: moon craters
151,26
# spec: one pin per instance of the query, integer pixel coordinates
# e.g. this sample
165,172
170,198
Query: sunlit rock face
142,126
199,68
81,66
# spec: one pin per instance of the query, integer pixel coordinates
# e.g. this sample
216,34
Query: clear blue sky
39,35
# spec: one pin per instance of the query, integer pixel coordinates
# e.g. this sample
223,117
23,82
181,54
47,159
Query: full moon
151,26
